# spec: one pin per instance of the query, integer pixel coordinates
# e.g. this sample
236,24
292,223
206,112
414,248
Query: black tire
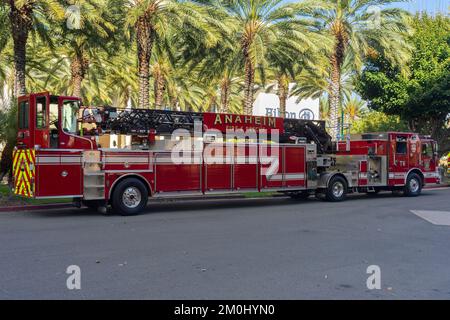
337,189
302,195
130,197
413,186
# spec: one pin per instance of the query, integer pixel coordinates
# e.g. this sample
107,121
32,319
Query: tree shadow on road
156,206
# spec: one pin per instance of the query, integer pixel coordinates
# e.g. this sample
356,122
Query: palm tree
324,108
26,16
354,108
159,71
311,82
260,24
185,92
8,134
360,28
285,63
149,20
4,30
108,80
51,70
292,53
6,72
314,82
120,83
86,37
217,67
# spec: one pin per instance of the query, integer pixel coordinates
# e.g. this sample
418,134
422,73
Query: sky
431,6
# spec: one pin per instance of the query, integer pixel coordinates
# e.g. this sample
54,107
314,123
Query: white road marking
439,218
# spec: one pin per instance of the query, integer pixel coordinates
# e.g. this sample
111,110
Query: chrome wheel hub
414,185
131,197
338,189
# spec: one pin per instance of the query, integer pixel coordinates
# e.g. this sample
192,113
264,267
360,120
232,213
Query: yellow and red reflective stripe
24,178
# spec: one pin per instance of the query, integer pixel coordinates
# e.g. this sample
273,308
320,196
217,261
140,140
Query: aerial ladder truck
105,156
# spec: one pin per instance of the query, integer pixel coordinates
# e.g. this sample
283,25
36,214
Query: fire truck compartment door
271,166
294,166
245,168
177,177
399,159
218,168
283,167
58,174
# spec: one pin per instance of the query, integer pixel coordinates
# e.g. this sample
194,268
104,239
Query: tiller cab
120,157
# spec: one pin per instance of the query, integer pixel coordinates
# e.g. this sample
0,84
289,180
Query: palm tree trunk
211,104
283,90
20,19
6,162
249,70
158,87
78,69
337,60
125,98
335,96
144,42
173,102
224,95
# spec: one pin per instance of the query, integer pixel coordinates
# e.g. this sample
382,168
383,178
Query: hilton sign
305,114
267,104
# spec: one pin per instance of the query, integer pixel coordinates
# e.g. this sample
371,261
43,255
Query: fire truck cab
57,156
398,161
50,122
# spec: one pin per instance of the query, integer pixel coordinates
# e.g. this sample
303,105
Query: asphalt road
231,249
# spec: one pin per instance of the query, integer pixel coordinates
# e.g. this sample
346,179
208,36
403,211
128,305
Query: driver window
41,112
70,116
427,150
53,116
24,112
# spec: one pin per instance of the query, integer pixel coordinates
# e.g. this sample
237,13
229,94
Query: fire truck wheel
337,189
413,186
130,197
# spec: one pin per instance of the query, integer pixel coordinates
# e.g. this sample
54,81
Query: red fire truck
67,150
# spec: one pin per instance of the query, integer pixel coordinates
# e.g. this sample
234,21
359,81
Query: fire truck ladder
311,130
142,121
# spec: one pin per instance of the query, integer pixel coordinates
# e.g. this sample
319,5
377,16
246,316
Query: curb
36,207
71,205
162,199
436,186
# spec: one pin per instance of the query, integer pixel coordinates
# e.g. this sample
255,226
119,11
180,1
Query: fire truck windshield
70,116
